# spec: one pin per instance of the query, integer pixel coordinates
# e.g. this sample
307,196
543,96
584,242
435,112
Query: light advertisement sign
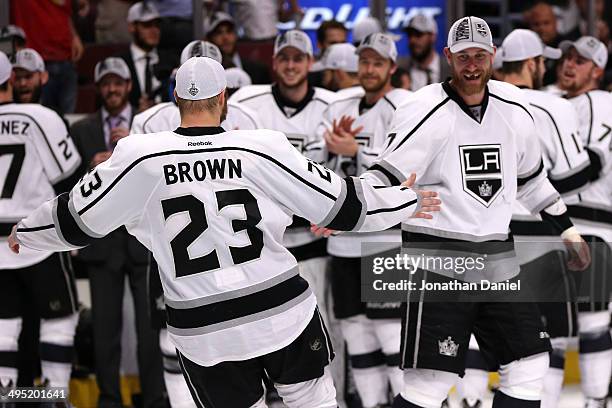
398,13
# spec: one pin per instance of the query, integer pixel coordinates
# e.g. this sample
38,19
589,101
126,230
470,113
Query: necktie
113,122
148,76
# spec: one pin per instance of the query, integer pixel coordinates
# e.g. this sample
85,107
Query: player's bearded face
114,91
471,70
576,72
420,44
538,75
27,86
291,67
374,71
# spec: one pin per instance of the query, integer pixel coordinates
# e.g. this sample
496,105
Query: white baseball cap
200,48
111,65
498,61
468,32
30,60
141,12
364,27
523,44
423,23
382,43
589,47
341,56
200,78
5,68
293,38
237,78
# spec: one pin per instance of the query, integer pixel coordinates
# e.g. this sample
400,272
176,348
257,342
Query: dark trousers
107,284
60,93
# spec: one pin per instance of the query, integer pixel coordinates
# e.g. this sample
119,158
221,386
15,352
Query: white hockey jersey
478,168
299,122
212,206
565,159
595,114
36,153
165,116
376,121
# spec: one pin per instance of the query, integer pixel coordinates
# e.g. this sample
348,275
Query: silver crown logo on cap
193,90
481,29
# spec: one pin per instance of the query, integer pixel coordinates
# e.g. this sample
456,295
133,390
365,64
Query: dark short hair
513,67
326,25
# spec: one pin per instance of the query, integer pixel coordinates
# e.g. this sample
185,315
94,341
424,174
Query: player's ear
393,68
596,73
129,86
44,77
447,54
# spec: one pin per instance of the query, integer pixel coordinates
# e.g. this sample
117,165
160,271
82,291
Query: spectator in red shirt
49,30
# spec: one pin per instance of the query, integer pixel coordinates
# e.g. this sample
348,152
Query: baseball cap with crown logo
468,32
590,48
293,38
383,44
200,48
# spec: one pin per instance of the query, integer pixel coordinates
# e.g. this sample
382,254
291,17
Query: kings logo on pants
482,172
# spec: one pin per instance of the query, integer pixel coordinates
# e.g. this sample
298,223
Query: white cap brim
469,44
552,53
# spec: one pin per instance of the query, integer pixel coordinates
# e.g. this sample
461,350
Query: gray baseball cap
200,48
111,65
293,38
590,48
383,44
142,12
30,60
423,23
468,32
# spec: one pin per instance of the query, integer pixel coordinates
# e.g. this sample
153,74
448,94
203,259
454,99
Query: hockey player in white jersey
165,116
37,161
212,206
355,129
295,108
473,139
567,165
581,71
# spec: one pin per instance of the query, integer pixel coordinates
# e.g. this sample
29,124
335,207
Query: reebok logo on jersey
482,172
206,143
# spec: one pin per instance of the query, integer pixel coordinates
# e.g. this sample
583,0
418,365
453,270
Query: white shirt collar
140,54
126,113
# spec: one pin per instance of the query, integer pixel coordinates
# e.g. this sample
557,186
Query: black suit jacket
161,74
259,73
88,136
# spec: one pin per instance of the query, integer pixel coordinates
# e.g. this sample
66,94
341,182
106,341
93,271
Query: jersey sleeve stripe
42,133
36,229
513,103
255,96
67,227
429,114
389,102
347,215
392,209
198,151
556,130
596,166
523,179
391,174
572,183
590,118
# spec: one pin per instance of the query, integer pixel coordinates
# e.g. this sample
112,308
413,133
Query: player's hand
322,231
344,127
577,249
410,181
341,145
427,203
117,134
13,243
99,158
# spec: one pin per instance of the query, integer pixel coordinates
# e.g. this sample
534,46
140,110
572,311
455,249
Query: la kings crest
481,171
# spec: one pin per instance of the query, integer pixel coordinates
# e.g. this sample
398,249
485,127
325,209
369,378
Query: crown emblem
481,29
448,347
485,189
316,344
193,90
